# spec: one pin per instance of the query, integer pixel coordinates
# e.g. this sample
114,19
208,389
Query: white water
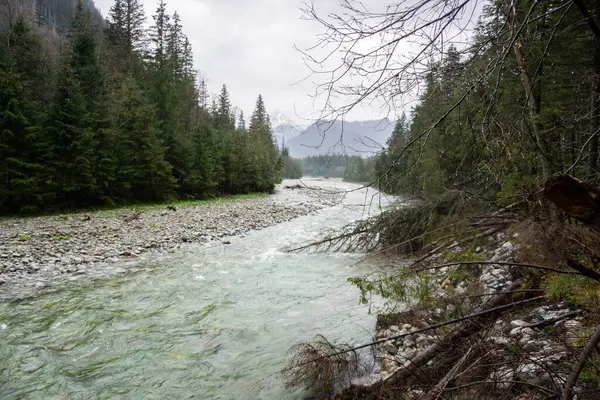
213,323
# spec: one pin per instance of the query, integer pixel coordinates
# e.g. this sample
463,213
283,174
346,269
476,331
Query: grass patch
61,237
575,289
469,254
113,211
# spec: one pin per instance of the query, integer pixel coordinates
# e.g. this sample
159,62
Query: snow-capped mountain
284,129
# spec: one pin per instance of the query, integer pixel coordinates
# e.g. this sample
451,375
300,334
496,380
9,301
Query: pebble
106,237
390,348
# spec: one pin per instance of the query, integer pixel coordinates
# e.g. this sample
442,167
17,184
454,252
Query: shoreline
41,249
543,333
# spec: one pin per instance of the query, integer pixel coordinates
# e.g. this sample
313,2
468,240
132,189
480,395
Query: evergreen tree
119,123
241,122
175,42
71,126
223,114
268,160
143,172
125,25
21,61
159,32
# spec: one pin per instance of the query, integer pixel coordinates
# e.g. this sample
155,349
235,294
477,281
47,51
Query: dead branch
583,270
441,385
495,305
507,264
551,321
472,324
578,366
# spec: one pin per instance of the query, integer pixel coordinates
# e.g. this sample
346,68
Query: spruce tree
21,89
223,115
242,122
125,25
143,172
71,127
159,32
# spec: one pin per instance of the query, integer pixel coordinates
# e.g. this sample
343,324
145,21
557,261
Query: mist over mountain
364,138
54,14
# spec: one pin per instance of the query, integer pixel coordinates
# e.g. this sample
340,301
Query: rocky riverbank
41,248
532,347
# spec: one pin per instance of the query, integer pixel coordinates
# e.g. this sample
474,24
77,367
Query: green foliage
575,289
61,236
119,116
469,131
404,286
24,237
332,165
465,255
292,167
359,169
590,373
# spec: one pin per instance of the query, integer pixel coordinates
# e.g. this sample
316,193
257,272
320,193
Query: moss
591,373
469,254
576,289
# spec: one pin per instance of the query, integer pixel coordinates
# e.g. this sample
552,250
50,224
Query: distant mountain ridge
364,138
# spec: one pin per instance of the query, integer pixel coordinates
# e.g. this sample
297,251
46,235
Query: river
214,322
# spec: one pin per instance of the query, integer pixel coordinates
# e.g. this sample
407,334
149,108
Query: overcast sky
248,45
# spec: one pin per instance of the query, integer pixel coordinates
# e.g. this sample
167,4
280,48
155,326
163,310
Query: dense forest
110,113
501,115
351,168
293,168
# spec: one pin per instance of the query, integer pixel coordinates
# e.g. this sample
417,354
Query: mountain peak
280,119
284,129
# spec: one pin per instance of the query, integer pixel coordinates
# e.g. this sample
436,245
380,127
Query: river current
215,322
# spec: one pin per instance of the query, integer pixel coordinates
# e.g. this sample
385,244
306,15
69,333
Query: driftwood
294,187
132,217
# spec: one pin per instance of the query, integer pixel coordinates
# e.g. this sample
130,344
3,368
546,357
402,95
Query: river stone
486,277
390,348
518,323
508,246
572,325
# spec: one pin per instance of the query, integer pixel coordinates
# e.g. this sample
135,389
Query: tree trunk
533,100
595,114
